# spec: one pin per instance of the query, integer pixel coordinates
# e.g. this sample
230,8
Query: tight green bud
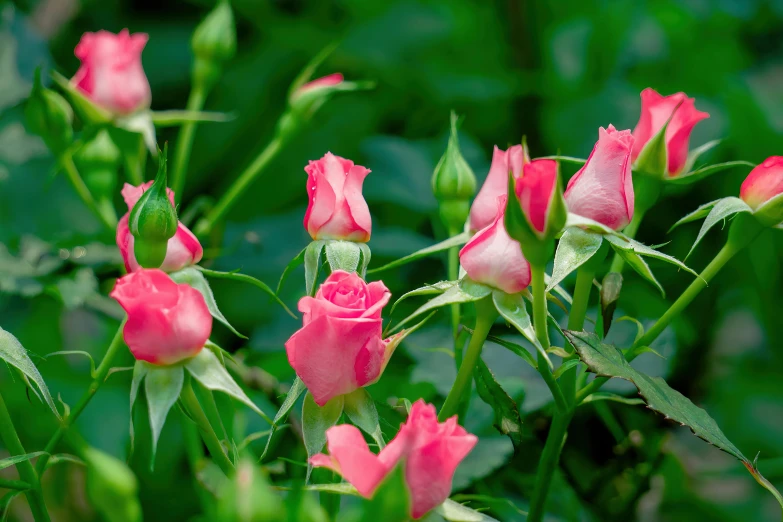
453,182
112,487
214,42
48,115
98,161
153,220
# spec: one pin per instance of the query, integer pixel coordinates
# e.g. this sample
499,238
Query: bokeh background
552,71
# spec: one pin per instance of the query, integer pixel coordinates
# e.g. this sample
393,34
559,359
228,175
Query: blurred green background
553,71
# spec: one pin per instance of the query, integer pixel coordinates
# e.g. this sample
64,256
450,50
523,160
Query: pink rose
431,452
484,208
339,348
602,190
326,81
492,258
167,322
337,209
763,183
535,190
656,110
182,250
111,74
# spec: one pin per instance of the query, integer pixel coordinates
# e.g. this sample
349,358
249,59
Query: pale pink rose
337,209
326,81
763,183
602,189
111,74
431,452
493,258
656,110
535,191
340,347
484,207
167,322
182,250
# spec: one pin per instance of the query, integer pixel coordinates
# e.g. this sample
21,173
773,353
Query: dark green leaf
195,278
610,294
464,292
701,173
360,409
233,276
315,421
292,265
290,399
512,308
512,347
12,352
173,118
391,501
721,210
507,418
10,461
437,288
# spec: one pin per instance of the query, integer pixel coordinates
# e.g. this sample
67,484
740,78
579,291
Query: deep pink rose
602,190
340,347
492,258
484,207
326,81
656,110
111,74
763,183
167,322
431,453
535,190
337,209
182,250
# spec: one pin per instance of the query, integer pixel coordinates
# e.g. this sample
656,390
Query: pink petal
484,207
535,189
763,183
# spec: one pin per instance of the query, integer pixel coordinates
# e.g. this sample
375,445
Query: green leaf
360,409
391,501
111,486
12,352
343,255
312,263
194,277
315,421
722,209
206,369
306,74
635,261
699,213
606,396
162,387
575,248
631,244
609,295
701,173
567,365
465,291
10,461
607,360
507,418
455,512
512,308
512,347
696,153
566,159
451,242
290,399
365,260
243,278
76,352
437,288
139,372
172,118
575,220
5,504
291,266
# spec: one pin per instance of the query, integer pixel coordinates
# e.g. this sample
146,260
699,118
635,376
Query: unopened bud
214,42
48,115
453,182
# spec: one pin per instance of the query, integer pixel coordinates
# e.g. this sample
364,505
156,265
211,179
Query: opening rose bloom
111,74
339,348
602,189
337,209
656,110
493,258
182,250
430,450
167,322
763,183
484,208
535,191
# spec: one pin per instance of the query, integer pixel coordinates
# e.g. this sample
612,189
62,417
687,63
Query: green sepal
647,190
653,160
770,213
48,115
84,107
446,244
347,255
391,502
315,421
360,409
312,264
162,386
215,38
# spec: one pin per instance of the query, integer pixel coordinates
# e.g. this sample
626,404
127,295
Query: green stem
107,219
453,274
190,401
550,459
204,226
576,320
185,143
618,262
100,376
25,468
540,324
194,454
14,484
485,317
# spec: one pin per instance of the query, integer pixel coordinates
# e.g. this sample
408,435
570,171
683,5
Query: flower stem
550,459
190,401
485,317
618,262
576,321
453,274
204,226
185,143
26,470
18,485
540,325
107,218
100,376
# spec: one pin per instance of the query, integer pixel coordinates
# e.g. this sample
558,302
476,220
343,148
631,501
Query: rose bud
167,322
340,347
484,208
214,42
181,250
337,209
682,115
98,161
430,452
492,258
309,97
111,74
453,183
763,183
49,116
602,189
